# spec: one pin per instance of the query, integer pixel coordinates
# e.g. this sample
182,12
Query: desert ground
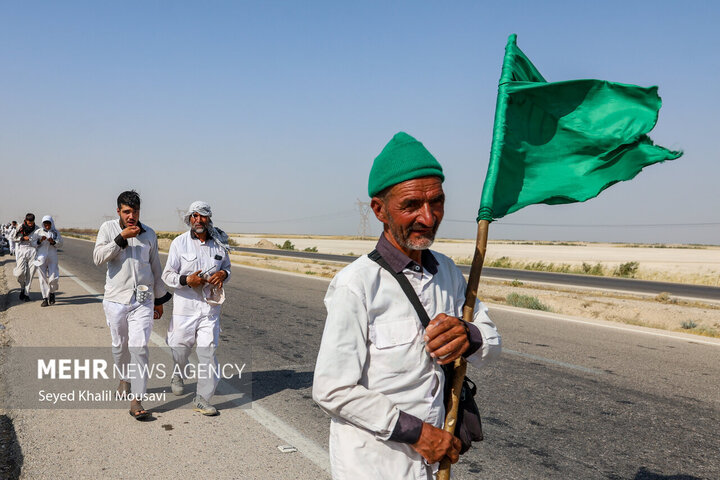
680,264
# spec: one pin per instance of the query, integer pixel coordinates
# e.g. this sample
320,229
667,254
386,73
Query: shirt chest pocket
217,261
394,334
139,251
144,252
396,349
189,263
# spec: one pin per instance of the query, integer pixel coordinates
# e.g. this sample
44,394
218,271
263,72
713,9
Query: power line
701,224
289,220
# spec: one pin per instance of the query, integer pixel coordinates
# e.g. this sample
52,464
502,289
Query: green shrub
168,235
688,325
286,246
538,266
596,269
526,301
628,270
502,262
311,250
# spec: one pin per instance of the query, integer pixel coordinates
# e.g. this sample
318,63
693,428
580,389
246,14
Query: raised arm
106,247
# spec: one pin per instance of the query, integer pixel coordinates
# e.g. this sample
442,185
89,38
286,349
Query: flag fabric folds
564,142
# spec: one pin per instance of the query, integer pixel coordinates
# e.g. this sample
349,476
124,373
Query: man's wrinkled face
46,226
412,211
129,216
199,223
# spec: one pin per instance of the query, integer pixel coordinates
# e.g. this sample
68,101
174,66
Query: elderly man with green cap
379,371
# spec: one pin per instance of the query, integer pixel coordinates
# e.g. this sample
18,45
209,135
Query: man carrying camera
197,266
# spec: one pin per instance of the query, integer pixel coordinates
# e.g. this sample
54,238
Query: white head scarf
220,237
48,218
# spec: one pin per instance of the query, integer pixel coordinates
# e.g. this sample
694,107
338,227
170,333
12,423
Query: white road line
507,351
307,447
84,285
626,328
497,306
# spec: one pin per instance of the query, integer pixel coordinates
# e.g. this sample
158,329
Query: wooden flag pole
460,365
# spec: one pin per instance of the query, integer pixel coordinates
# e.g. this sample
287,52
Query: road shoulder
107,443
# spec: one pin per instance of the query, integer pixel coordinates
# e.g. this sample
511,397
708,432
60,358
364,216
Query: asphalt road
701,292
566,400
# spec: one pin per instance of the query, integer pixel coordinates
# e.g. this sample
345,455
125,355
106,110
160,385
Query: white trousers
130,329
12,245
24,269
49,273
203,330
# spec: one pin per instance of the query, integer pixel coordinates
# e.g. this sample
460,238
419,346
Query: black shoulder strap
405,285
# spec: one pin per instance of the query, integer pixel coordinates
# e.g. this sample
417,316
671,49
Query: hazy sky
273,111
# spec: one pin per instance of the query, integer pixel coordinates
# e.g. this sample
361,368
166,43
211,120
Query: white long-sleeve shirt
46,249
137,263
372,364
188,255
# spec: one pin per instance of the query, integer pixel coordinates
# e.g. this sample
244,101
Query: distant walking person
134,293
197,266
11,236
47,260
26,240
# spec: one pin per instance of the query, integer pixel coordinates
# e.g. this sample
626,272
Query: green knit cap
403,158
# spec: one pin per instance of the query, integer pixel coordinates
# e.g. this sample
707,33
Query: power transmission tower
364,209
181,217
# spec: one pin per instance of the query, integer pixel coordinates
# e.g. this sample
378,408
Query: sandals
139,413
136,411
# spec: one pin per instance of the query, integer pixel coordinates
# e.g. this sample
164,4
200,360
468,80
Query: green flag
564,142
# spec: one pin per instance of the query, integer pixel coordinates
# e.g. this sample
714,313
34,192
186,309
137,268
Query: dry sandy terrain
673,264
680,264
665,313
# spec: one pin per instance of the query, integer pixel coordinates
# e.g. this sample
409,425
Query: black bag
468,427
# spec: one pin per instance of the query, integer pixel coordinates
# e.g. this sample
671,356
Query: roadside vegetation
525,301
625,270
83,233
288,245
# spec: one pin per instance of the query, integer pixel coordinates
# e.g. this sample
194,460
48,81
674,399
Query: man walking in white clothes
11,236
197,266
134,294
47,260
26,240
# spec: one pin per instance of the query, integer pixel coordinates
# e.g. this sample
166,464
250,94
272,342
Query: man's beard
403,237
199,229
124,225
